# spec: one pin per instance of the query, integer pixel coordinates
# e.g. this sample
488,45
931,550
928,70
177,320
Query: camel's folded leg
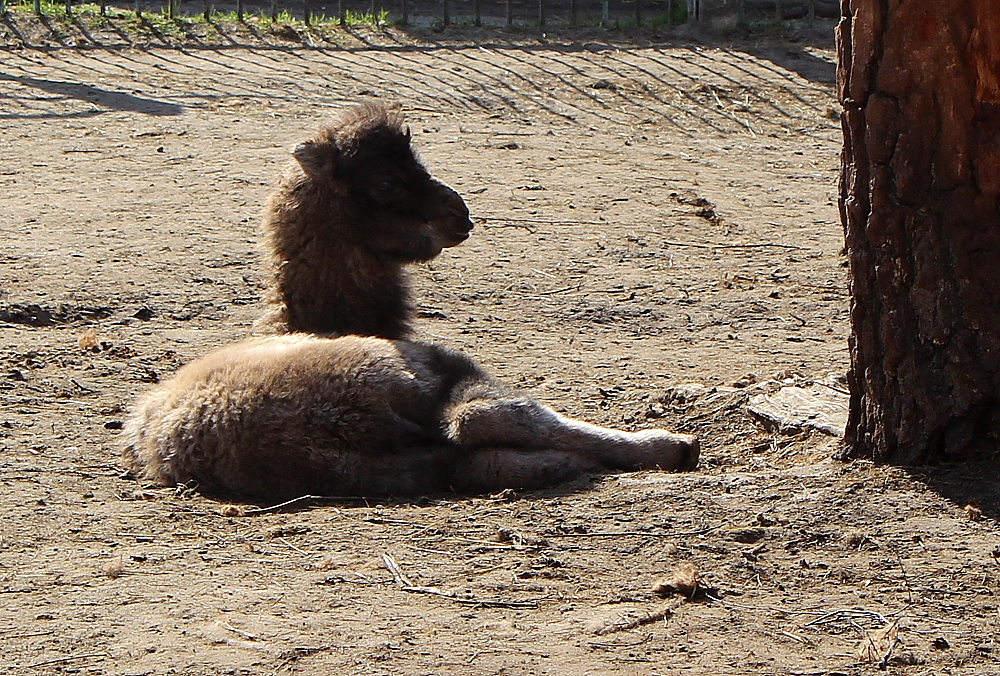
524,423
490,470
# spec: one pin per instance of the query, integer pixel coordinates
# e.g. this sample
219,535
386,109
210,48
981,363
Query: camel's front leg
524,423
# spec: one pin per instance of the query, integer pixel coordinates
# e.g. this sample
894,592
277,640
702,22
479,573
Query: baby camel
348,213
363,415
279,417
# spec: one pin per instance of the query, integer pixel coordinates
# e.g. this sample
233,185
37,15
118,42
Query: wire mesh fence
542,13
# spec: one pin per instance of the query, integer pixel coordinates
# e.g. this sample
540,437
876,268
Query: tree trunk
920,201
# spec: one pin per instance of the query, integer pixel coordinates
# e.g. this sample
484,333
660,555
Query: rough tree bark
919,81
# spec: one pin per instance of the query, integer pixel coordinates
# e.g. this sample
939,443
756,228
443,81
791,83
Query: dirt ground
651,214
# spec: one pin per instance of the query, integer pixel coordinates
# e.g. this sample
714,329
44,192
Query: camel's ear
315,158
406,134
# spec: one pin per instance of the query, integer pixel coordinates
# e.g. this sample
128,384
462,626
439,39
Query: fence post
239,10
812,10
541,13
374,15
69,7
605,13
274,10
779,11
306,13
406,12
477,12
104,7
447,15
341,13
638,13
510,15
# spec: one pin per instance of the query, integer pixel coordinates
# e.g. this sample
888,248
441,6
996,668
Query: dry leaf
684,580
877,645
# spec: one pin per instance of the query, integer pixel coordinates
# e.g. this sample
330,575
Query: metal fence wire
607,13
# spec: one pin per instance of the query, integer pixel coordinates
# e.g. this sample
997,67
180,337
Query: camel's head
378,187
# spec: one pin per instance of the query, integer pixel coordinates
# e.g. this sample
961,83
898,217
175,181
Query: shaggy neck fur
330,285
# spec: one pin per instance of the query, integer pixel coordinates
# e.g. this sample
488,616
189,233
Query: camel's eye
387,189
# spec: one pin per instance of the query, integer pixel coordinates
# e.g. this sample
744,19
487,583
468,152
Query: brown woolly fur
343,406
279,417
348,213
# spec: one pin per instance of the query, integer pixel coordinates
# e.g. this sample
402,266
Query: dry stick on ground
70,658
757,245
628,624
294,502
405,584
846,614
631,533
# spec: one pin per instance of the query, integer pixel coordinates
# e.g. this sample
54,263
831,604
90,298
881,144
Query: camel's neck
323,281
343,292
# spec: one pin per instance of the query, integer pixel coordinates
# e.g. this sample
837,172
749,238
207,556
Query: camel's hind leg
525,424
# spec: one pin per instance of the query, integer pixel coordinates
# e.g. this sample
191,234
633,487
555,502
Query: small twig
803,641
245,634
530,228
84,388
566,288
846,613
626,624
841,390
35,633
281,505
756,245
405,584
531,605
906,580
291,546
66,659
630,533
397,573
394,522
717,99
537,221
302,499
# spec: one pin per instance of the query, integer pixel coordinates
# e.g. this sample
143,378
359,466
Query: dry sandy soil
650,215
